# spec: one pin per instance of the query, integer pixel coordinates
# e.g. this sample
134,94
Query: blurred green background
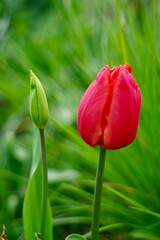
65,43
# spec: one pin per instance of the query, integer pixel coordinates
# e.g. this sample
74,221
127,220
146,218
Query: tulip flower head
109,110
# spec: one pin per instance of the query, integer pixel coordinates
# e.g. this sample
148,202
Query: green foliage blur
65,43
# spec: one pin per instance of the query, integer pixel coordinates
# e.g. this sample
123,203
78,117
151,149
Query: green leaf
75,237
32,201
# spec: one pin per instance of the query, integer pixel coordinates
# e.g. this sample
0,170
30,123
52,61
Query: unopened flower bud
109,110
38,105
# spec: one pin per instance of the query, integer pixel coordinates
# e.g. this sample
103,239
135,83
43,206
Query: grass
66,43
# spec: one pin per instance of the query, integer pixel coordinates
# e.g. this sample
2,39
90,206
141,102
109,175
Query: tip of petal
127,67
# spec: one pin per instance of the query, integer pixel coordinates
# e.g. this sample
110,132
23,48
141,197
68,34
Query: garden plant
80,112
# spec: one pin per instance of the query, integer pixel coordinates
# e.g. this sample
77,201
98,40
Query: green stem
44,185
97,194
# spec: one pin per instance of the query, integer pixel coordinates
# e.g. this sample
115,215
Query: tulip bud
108,112
38,105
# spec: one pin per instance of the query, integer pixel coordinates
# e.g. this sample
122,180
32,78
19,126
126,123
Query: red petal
91,108
123,117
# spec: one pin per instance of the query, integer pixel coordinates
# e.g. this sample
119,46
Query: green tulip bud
38,105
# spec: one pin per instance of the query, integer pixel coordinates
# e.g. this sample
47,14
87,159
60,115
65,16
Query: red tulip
108,112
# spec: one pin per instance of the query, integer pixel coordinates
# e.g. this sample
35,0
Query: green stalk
44,185
97,194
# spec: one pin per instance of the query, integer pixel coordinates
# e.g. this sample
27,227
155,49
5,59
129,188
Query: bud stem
44,184
97,194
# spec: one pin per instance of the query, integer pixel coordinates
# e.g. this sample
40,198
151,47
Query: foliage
33,200
65,43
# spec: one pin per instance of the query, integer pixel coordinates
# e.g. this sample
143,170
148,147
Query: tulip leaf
75,237
32,201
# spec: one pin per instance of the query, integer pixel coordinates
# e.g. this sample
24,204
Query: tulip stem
44,184
97,194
